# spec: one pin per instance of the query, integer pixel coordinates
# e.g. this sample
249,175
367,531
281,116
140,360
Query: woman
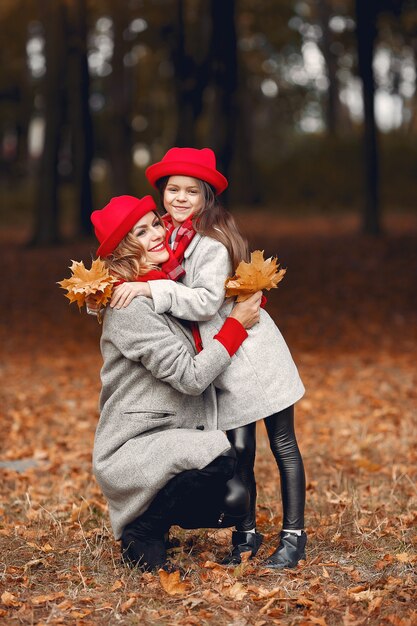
263,382
157,409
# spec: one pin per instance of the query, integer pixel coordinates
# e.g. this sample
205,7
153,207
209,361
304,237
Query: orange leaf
47,548
8,599
245,556
117,585
47,598
213,565
404,557
96,281
236,591
254,276
126,605
317,620
172,584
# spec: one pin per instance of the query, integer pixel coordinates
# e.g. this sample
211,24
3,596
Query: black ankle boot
290,551
242,542
146,553
143,546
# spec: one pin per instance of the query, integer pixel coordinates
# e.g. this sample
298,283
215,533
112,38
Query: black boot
141,548
290,551
242,542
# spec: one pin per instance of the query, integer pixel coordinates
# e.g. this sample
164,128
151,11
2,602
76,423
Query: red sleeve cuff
231,335
264,300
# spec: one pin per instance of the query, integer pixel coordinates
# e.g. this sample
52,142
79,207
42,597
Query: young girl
158,455
263,381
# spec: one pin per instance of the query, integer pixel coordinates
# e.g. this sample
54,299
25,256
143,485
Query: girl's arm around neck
209,267
141,334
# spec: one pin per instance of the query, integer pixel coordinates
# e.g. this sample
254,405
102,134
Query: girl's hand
124,294
247,312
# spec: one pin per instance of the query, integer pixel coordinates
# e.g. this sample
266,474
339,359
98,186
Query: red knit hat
188,162
117,218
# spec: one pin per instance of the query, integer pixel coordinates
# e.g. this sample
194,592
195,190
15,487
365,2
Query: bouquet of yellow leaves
83,282
254,276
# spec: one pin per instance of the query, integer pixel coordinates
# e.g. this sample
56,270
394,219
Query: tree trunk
366,31
245,188
120,131
82,127
191,76
46,207
332,103
224,81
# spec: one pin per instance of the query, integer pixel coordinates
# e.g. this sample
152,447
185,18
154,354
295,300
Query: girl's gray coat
156,419
262,378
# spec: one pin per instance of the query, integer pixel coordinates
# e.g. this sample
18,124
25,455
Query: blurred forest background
310,105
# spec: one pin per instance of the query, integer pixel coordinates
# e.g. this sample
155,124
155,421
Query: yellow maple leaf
254,276
96,281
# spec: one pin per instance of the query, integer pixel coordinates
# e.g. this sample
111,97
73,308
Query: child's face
150,232
183,198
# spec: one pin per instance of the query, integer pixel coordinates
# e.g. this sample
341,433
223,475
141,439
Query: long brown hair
128,260
215,221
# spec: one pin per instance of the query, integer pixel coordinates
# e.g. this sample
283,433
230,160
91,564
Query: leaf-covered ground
348,309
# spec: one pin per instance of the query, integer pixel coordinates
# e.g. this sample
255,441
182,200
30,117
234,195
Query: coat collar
192,245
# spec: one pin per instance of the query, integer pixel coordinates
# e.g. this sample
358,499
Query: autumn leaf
172,584
404,557
8,599
125,606
254,276
117,585
214,566
96,281
236,591
317,620
46,598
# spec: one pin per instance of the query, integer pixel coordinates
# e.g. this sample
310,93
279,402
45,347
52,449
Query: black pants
212,497
283,442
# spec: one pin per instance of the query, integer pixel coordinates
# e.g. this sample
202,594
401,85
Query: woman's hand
91,304
124,294
247,312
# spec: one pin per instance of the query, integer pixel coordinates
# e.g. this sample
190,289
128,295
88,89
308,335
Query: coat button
199,427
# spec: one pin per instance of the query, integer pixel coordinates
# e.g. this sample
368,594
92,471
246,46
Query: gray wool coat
157,407
263,378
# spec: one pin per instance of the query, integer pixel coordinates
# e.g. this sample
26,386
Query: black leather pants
212,497
283,442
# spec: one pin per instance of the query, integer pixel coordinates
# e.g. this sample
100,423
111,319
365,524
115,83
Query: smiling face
150,233
183,197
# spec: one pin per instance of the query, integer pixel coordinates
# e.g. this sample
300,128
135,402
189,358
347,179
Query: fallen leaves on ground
348,311
172,584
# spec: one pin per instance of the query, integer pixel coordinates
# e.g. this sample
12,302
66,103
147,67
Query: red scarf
183,237
143,278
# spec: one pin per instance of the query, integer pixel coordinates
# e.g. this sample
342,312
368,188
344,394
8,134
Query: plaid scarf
183,236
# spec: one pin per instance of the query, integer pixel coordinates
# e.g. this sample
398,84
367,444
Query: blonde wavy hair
128,260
